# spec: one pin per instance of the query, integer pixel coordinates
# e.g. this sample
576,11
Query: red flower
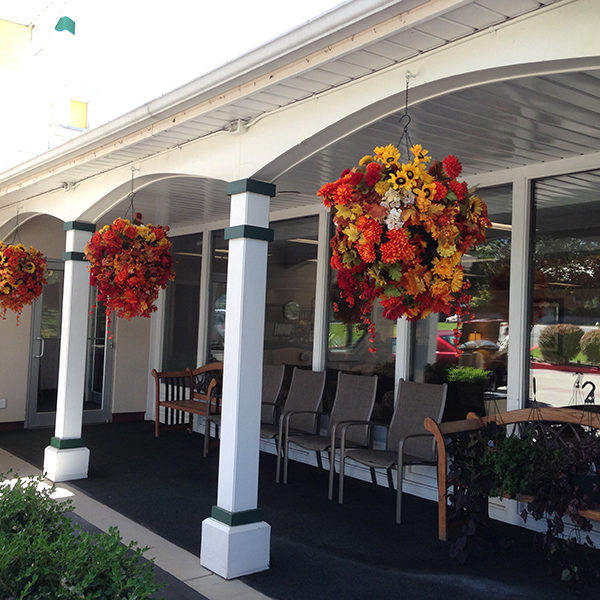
373,174
460,189
440,191
452,166
355,178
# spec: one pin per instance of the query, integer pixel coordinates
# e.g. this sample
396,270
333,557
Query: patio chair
354,401
271,387
415,402
303,401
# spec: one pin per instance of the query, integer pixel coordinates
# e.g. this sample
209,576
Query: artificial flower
22,277
400,239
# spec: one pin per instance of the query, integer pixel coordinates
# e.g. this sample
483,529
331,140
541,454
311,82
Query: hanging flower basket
21,277
129,263
401,231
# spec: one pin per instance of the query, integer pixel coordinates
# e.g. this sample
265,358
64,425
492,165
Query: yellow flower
381,187
387,154
446,250
365,160
420,153
457,281
29,267
404,178
20,247
443,267
476,207
352,232
422,203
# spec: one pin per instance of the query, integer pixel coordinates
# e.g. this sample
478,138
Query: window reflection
290,299
180,344
483,340
565,313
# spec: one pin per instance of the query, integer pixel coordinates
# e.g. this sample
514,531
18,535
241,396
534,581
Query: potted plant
466,388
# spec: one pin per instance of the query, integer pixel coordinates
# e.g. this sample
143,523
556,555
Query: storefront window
180,344
483,341
290,300
218,290
565,313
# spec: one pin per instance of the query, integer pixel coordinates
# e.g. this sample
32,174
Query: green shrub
45,556
590,344
559,343
466,374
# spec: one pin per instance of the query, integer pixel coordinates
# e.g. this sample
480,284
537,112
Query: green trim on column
245,517
66,444
249,231
79,226
250,185
80,256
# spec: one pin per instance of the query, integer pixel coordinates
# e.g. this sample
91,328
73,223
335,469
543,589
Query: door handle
42,346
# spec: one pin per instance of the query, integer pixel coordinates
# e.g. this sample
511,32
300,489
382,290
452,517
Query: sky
127,52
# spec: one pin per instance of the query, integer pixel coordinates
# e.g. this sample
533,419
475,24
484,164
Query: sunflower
388,155
29,267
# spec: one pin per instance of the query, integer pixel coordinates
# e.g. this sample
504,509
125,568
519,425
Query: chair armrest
402,441
344,426
287,415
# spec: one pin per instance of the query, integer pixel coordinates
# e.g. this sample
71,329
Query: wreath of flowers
401,231
129,263
22,277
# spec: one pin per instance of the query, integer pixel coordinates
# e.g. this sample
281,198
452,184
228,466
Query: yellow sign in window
79,116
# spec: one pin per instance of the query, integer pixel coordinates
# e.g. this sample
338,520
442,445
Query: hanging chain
16,235
405,120
130,197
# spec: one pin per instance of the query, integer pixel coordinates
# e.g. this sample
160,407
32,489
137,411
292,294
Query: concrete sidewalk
186,578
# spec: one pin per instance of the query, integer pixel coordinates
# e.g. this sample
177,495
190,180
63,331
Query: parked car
446,351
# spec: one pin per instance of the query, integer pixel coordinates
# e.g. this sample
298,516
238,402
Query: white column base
66,464
235,551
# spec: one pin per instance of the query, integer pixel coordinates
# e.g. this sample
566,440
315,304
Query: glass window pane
565,314
218,289
180,345
483,341
290,300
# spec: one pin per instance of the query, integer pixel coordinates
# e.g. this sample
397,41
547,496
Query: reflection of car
446,351
489,339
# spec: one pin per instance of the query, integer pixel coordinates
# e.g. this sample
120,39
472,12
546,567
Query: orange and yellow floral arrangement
401,230
129,263
22,277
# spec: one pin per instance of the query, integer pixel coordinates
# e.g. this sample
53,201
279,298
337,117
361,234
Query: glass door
44,357
98,369
45,349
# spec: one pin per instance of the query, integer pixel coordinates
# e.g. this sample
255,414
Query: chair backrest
271,386
415,402
305,393
354,401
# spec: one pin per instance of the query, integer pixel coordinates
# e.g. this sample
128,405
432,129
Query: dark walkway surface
319,550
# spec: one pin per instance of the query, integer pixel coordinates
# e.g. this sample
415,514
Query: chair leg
285,460
341,479
206,436
399,496
390,479
373,476
331,472
278,467
319,461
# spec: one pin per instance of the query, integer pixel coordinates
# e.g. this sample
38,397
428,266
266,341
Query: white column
235,539
67,457
519,296
321,325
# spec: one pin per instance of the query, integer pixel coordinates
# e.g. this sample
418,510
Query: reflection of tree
489,276
571,264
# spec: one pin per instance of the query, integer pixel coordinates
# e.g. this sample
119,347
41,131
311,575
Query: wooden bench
190,392
474,422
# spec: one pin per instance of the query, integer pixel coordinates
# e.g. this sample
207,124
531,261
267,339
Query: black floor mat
319,549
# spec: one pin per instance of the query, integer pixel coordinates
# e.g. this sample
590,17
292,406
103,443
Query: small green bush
45,556
590,344
559,343
466,374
